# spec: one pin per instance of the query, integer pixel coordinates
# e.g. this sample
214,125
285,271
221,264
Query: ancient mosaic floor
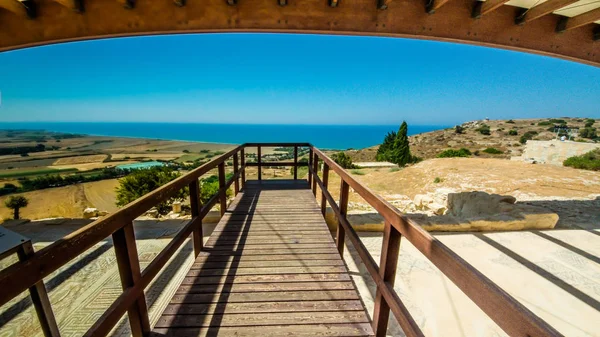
556,274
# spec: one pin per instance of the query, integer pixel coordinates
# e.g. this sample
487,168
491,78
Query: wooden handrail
509,314
514,318
21,276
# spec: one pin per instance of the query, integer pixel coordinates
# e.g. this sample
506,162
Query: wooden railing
30,272
509,314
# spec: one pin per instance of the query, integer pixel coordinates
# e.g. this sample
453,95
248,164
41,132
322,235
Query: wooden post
387,270
222,190
129,270
325,181
39,297
236,183
310,159
259,166
295,162
196,205
243,163
341,232
315,164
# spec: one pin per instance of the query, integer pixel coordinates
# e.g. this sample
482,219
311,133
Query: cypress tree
383,153
400,153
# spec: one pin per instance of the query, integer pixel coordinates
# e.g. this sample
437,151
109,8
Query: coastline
331,137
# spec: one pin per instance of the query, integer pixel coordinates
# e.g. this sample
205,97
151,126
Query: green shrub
450,153
343,160
557,121
510,121
527,136
492,150
394,169
589,122
513,132
484,130
357,172
459,129
588,133
587,161
437,180
545,123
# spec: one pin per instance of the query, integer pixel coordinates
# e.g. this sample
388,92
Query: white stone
90,212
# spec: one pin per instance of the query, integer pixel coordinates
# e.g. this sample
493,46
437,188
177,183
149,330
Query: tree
386,146
16,202
343,160
400,154
589,122
141,182
459,129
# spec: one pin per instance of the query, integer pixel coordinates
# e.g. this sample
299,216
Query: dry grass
101,194
97,158
68,201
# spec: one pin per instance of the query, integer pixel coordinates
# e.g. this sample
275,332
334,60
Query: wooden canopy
567,29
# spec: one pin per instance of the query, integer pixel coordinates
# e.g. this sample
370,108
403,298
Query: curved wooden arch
498,25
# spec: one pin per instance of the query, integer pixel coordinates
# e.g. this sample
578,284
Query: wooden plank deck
271,269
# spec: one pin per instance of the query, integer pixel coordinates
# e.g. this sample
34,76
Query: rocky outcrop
480,211
91,212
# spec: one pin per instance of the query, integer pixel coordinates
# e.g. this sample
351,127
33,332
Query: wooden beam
127,4
129,271
432,5
25,8
39,297
387,270
485,7
582,19
324,189
343,205
74,5
222,189
527,15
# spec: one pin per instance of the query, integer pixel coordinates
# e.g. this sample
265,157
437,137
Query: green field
28,173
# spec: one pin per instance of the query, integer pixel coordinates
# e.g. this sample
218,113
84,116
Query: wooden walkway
270,269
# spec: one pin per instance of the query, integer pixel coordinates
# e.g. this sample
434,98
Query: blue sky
281,79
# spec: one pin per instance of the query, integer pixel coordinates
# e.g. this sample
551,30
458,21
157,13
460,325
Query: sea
339,137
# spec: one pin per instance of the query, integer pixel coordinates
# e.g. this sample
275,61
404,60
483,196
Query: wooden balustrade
509,314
